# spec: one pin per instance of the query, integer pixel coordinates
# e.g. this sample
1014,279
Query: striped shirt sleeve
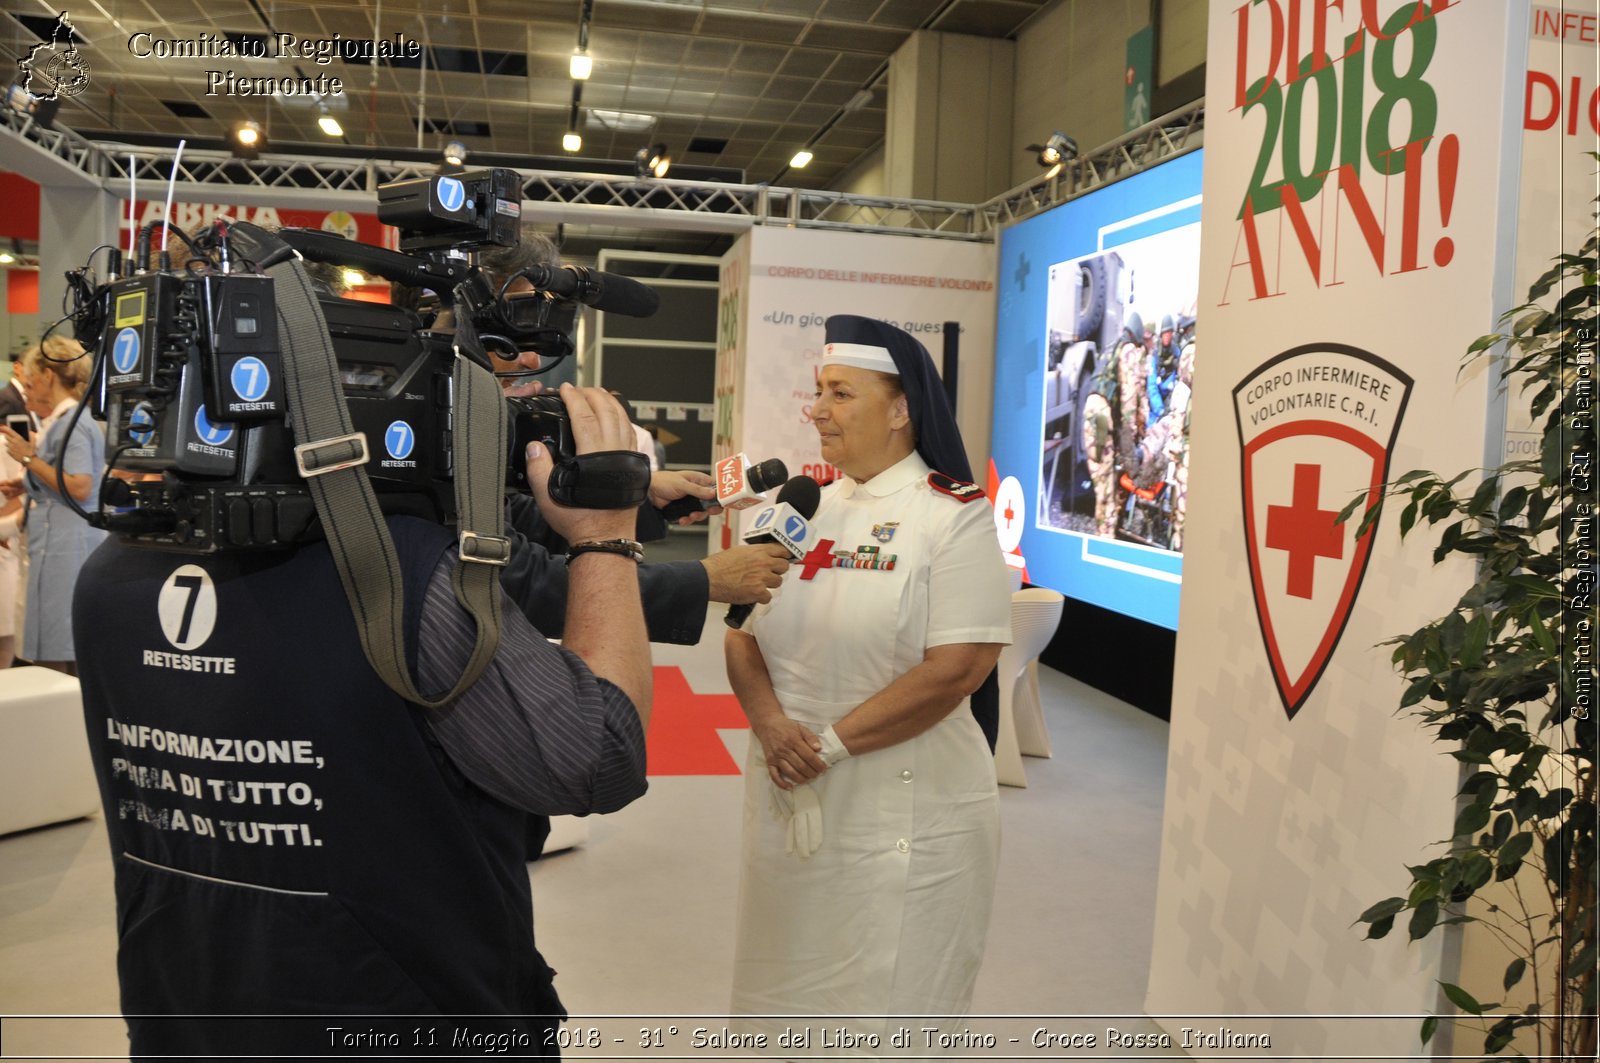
538,730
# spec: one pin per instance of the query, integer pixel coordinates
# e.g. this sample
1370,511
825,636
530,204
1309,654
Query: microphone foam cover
803,493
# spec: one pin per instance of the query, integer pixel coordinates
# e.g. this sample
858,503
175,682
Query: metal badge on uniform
885,531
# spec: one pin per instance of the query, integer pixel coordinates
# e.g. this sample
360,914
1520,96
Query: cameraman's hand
746,575
671,485
599,423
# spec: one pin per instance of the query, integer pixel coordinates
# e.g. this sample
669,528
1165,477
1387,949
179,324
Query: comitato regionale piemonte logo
54,69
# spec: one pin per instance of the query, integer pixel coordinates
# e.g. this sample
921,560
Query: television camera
192,381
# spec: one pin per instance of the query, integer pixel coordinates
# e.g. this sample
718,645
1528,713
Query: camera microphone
785,522
610,293
739,486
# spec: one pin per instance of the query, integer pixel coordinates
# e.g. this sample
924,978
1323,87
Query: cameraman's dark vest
288,836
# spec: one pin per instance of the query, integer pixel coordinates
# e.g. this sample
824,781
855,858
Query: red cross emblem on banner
1316,425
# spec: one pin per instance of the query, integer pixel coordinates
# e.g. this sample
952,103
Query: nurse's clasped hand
792,750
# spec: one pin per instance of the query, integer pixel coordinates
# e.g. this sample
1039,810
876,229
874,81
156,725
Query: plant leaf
1423,919
1429,1025
1462,999
1514,972
1384,909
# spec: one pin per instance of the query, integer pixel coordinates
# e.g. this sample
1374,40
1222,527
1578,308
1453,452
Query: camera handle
362,549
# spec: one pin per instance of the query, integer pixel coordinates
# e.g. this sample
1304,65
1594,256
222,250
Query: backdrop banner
1358,218
780,285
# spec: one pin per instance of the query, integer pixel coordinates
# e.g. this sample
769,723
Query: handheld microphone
785,522
745,485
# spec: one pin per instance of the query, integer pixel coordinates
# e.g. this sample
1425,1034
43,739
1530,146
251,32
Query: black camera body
192,382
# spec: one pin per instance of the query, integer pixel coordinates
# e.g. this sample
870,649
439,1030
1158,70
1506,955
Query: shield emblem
1316,427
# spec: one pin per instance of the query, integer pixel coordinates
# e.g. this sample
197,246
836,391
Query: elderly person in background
53,466
866,890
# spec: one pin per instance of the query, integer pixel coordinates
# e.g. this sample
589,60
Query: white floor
638,920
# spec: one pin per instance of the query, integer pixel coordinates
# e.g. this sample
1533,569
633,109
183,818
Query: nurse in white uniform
871,819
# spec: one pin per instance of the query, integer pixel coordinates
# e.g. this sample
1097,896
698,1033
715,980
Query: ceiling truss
57,156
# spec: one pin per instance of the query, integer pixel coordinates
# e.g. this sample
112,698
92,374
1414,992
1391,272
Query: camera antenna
172,181
133,198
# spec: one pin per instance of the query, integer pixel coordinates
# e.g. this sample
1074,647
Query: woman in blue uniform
59,541
871,821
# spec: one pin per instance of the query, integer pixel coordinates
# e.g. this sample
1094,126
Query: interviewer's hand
744,575
11,488
599,423
791,750
669,485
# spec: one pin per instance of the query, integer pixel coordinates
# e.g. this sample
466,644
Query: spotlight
247,140
652,161
455,153
329,124
1058,149
6,258
801,159
353,278
580,66
571,141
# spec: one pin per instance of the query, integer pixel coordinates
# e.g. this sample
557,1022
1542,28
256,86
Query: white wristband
833,750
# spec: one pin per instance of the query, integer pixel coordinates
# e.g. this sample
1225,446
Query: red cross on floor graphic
683,738
1304,531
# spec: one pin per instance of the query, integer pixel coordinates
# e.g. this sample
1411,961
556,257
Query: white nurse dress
888,917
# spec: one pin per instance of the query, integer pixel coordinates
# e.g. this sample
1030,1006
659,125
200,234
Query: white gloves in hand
801,814
800,809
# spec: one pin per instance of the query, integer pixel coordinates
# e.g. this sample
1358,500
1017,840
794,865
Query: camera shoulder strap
332,457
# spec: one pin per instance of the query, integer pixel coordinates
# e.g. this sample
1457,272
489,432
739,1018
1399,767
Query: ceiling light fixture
330,125
247,140
455,153
801,159
652,161
572,141
858,101
580,66
1058,149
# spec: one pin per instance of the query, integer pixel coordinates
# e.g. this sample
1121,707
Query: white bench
45,773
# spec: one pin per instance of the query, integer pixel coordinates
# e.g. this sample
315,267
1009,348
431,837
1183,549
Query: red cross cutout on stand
1305,531
819,557
1010,514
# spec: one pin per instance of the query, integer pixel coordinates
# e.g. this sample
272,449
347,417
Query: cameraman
293,839
675,593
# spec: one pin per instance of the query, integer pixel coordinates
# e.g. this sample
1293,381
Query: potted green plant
1506,682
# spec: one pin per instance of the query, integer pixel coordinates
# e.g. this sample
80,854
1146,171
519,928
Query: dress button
905,776
903,845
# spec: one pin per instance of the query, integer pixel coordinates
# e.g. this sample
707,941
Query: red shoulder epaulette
959,490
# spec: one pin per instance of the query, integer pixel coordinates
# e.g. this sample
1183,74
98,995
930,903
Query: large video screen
1094,364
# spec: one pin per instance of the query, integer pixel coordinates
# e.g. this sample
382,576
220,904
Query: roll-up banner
1358,216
